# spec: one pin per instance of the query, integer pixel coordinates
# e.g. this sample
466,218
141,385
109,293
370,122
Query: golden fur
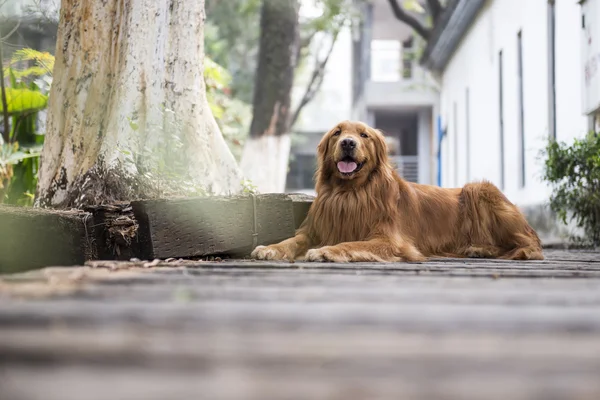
375,215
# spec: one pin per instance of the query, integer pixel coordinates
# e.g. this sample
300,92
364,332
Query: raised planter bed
179,228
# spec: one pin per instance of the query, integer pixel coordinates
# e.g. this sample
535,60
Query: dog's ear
381,146
323,146
323,172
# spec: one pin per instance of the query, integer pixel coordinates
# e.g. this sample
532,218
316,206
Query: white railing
407,167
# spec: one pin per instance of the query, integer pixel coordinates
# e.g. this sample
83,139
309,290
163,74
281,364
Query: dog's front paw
480,252
325,254
273,253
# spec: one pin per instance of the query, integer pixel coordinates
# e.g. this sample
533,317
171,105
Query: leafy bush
574,173
29,76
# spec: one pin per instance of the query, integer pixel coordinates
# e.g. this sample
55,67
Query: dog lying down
364,211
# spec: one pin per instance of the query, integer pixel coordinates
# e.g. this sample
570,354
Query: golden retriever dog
364,211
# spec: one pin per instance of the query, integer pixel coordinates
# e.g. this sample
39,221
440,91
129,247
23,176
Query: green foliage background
574,173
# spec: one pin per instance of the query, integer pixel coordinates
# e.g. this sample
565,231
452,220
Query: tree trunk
128,116
265,156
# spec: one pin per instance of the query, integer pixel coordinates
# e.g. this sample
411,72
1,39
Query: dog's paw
325,254
272,253
479,252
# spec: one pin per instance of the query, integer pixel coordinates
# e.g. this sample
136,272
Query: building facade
373,76
590,61
510,75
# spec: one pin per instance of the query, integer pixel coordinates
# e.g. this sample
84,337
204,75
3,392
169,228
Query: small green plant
248,187
574,173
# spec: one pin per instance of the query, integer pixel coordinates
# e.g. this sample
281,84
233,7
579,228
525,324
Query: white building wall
590,57
474,65
424,146
570,120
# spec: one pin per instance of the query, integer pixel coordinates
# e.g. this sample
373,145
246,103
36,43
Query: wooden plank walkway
240,329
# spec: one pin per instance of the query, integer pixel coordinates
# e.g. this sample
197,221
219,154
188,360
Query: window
551,69
468,134
521,111
385,60
501,116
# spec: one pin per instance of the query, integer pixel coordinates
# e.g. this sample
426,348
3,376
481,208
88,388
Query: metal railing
407,167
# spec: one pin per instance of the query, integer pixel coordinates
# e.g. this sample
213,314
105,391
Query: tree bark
265,156
435,8
127,115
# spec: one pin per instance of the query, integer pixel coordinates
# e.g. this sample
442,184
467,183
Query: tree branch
435,8
12,31
303,44
316,80
409,20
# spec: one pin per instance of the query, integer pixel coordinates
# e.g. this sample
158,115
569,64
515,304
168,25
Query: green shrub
574,173
28,79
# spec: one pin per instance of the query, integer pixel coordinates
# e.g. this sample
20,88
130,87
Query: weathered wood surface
31,238
231,225
239,329
302,203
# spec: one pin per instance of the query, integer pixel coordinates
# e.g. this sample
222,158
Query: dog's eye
364,135
337,133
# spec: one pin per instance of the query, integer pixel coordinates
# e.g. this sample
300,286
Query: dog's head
351,150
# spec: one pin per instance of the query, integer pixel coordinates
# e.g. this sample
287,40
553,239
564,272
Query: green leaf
215,74
24,100
216,110
12,78
413,5
43,60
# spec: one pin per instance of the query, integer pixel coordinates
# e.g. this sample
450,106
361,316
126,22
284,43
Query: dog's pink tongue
346,167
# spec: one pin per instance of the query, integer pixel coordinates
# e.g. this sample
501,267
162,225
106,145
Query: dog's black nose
348,144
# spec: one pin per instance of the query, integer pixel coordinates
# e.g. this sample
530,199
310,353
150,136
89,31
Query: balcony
396,80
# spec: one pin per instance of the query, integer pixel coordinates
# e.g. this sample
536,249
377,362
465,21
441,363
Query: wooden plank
280,273
274,219
324,291
194,227
213,226
305,316
117,346
33,238
302,203
402,378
